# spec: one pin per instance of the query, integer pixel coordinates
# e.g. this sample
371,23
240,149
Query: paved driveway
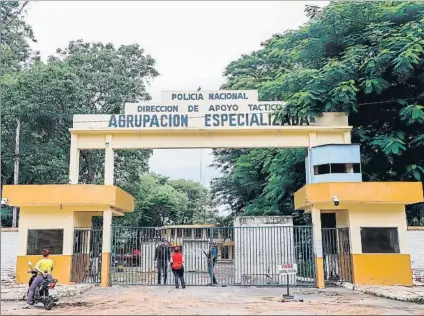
162,300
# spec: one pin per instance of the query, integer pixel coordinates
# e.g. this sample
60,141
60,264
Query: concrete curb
416,299
379,292
20,293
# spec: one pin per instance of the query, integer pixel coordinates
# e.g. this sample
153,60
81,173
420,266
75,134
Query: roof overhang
79,196
358,192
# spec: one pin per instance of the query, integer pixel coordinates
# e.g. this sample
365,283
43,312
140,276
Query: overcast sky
192,42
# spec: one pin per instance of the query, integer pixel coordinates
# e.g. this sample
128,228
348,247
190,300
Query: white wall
368,215
416,248
9,252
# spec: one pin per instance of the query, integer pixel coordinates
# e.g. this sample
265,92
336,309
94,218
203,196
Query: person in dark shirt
211,257
162,258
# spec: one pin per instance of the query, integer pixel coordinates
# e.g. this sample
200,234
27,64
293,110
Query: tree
261,181
14,55
15,52
112,77
48,95
42,99
160,201
197,200
362,58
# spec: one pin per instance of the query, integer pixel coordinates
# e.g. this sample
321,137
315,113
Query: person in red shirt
178,267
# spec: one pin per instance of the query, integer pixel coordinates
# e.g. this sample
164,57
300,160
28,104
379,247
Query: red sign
288,268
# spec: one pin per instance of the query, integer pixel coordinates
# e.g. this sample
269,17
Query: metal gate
336,255
87,254
228,255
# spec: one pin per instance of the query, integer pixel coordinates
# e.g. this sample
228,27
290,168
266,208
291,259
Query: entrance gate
191,119
87,254
243,255
336,253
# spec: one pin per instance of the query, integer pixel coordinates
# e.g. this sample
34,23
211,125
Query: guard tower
359,227
333,163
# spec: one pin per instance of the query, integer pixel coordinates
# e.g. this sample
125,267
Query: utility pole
16,168
201,166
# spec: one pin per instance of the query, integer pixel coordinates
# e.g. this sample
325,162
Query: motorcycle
45,292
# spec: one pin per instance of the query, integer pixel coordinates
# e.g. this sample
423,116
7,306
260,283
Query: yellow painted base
382,269
61,271
105,269
319,272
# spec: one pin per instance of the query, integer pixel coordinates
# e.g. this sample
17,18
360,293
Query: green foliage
257,184
6,217
83,78
15,34
160,201
362,58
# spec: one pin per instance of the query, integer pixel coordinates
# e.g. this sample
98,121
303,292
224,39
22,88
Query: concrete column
74,160
347,138
106,247
319,262
312,139
109,161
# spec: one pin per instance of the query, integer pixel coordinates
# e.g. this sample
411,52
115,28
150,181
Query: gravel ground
163,300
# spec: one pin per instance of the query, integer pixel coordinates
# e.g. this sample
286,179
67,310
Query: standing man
162,258
211,257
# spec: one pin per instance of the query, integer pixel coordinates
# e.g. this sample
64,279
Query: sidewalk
413,294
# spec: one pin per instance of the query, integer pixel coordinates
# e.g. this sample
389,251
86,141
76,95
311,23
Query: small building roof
189,226
98,197
336,144
359,192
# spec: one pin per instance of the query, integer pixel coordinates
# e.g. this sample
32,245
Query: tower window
337,168
322,169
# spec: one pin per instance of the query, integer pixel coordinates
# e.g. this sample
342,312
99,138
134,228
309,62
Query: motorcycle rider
44,267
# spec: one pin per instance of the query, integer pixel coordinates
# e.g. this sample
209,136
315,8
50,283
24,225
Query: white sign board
203,110
193,97
287,268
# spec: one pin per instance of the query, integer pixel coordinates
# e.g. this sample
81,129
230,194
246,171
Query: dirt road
219,301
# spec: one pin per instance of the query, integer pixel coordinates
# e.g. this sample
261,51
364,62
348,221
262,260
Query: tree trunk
16,168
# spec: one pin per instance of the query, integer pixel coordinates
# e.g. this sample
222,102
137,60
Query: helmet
46,252
177,249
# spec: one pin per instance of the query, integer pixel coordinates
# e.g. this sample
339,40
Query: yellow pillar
74,160
319,262
106,247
